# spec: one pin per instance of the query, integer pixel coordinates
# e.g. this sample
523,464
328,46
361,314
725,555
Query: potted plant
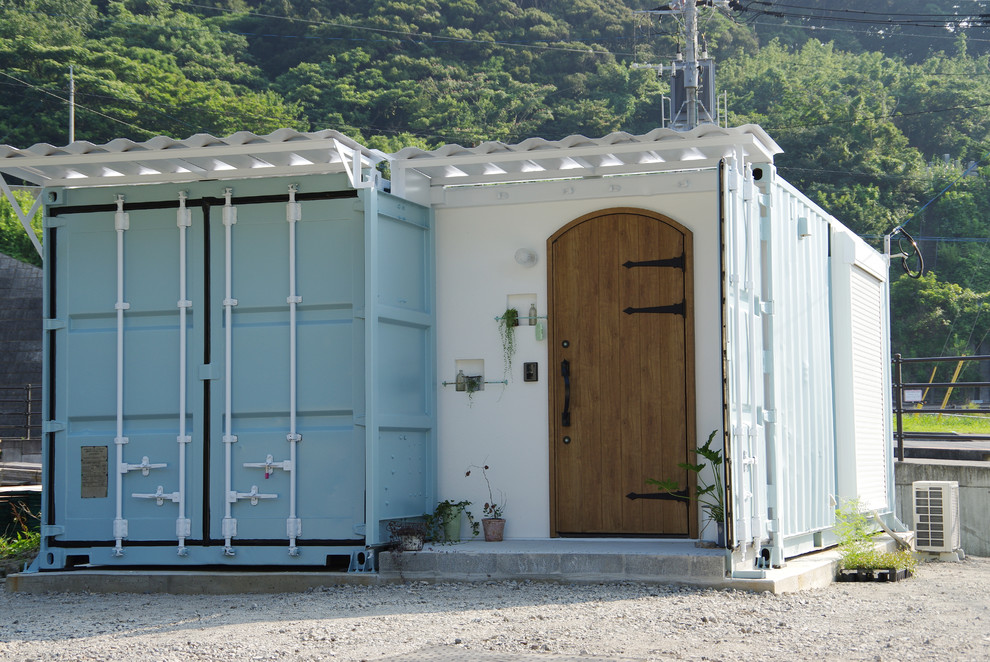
860,560
493,522
507,324
407,535
445,522
711,496
472,384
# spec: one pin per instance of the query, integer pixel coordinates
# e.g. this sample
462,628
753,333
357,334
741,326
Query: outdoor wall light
526,257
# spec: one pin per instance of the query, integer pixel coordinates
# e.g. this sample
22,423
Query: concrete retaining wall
20,450
974,496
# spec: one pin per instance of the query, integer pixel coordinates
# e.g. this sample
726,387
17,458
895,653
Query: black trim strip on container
207,357
51,243
207,200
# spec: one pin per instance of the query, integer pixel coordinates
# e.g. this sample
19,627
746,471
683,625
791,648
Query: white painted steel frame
293,214
121,224
183,526
369,197
25,219
743,328
229,524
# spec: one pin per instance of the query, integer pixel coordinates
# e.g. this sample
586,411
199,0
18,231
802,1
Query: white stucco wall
478,231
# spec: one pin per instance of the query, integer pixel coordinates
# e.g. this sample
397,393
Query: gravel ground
940,614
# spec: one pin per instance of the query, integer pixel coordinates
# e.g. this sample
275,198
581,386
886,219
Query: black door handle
565,372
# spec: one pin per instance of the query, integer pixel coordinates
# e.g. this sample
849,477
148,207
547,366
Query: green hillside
878,108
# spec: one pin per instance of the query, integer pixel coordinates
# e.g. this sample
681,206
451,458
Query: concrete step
559,560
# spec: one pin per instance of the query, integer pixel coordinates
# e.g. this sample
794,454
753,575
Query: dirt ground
942,613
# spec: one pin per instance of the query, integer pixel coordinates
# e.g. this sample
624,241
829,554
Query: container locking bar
145,467
270,465
254,495
159,496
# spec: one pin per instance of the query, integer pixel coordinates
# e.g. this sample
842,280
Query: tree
13,240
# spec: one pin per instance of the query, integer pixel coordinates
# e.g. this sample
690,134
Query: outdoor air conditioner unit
936,515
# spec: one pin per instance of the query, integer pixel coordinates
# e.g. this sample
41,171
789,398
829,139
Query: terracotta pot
493,529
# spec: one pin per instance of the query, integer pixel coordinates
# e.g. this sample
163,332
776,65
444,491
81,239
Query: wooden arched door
621,373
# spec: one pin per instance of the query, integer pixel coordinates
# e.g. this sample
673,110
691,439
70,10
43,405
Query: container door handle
565,372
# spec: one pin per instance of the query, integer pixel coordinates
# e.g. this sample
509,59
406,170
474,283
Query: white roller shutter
869,403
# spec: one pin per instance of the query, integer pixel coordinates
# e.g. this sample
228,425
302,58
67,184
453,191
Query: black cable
904,255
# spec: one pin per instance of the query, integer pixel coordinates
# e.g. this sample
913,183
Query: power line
66,101
923,21
823,28
854,11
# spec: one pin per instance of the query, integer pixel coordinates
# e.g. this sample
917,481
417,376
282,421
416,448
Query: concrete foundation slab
553,560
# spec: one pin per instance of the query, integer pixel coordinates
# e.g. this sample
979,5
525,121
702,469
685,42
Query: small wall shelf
497,381
498,318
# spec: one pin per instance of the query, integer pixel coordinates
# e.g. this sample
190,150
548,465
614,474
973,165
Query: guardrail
900,386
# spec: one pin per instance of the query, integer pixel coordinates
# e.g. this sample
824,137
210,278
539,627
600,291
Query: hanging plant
507,324
472,385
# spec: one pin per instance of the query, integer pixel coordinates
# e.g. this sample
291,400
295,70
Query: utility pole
691,60
685,75
72,106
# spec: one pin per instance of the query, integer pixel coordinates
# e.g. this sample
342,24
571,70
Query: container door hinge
48,530
54,324
770,415
52,426
209,372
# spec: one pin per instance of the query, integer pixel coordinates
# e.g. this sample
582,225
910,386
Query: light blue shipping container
239,371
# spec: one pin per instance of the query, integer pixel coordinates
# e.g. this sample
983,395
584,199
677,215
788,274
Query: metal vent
936,515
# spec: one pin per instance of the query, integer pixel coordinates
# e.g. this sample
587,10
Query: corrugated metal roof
202,156
579,156
288,152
